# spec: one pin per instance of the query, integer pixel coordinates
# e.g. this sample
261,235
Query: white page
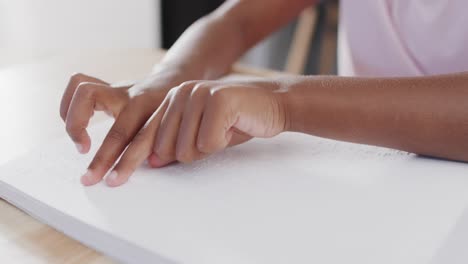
291,199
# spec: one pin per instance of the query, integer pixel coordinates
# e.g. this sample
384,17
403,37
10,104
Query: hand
84,95
131,106
196,119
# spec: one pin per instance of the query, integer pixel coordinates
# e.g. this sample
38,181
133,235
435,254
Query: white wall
35,27
31,29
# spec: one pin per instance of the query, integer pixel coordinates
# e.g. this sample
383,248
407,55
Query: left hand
199,118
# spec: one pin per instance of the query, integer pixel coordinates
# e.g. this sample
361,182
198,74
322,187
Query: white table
29,116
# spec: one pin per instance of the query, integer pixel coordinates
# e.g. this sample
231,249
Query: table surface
29,117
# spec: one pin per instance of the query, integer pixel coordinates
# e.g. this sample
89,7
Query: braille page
290,199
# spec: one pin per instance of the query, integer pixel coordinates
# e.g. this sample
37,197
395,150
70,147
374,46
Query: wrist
173,72
302,99
165,76
187,71
284,111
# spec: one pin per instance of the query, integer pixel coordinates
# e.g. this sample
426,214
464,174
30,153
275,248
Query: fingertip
115,179
86,148
155,162
89,178
86,144
81,148
85,182
83,144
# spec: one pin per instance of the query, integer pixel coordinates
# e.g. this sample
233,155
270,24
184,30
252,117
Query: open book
291,199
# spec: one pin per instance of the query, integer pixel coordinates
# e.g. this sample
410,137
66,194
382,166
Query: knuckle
188,84
219,97
184,156
118,134
164,153
205,146
77,77
172,91
73,83
180,95
200,90
184,88
85,89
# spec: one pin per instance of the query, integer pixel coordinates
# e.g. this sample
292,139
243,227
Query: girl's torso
403,37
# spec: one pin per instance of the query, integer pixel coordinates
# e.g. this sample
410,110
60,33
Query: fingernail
112,178
87,178
79,147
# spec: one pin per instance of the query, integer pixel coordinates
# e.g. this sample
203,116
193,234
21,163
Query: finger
219,115
166,137
128,123
186,149
156,162
113,101
238,137
139,149
81,110
73,84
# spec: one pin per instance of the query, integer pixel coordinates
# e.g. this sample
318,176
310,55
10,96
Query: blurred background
35,29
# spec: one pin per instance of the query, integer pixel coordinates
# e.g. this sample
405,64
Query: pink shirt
403,37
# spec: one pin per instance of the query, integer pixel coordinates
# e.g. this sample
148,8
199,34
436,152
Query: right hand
131,106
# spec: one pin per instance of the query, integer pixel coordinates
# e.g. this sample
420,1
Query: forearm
208,48
423,115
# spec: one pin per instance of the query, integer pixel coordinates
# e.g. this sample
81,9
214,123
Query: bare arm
423,115
212,44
